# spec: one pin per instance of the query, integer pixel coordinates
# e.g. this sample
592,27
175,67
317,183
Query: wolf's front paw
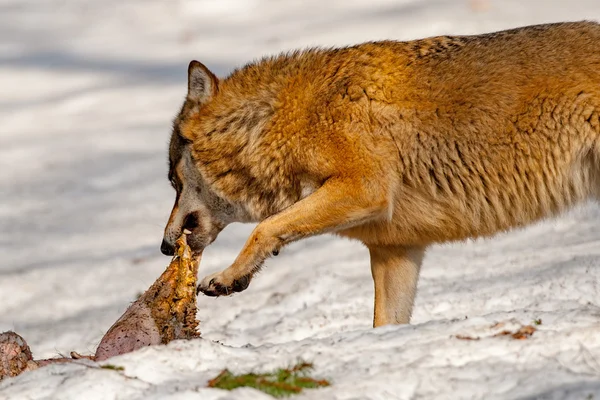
217,285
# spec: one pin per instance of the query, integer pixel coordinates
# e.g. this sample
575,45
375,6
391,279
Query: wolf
398,145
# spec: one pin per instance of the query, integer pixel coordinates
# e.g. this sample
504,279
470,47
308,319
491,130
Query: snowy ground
88,90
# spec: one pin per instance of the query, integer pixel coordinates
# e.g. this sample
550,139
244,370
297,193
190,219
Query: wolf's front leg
395,272
338,204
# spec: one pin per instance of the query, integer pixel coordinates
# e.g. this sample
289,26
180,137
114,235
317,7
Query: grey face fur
197,208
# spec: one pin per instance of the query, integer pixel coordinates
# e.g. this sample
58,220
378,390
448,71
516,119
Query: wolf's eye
172,180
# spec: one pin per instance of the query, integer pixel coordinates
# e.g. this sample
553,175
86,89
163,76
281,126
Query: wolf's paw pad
213,285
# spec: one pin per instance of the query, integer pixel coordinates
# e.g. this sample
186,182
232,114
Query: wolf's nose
167,248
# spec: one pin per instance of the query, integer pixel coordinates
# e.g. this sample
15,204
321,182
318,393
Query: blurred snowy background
88,90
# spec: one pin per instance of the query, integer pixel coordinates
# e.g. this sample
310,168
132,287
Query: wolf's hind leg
337,204
395,272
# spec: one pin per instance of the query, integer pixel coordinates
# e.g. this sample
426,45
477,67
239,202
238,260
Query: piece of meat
165,312
15,356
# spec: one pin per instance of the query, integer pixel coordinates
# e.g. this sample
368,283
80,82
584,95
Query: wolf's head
197,208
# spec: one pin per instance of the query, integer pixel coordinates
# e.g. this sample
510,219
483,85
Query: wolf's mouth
196,238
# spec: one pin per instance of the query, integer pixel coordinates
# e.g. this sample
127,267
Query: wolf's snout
167,248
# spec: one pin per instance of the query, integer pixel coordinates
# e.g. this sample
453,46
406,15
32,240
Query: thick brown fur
397,144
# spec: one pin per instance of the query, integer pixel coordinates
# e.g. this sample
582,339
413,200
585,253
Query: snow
88,93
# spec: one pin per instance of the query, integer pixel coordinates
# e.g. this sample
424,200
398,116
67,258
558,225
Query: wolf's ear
202,84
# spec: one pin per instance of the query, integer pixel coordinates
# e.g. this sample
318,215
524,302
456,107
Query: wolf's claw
213,286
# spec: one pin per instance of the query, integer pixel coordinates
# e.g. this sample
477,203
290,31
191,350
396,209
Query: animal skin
398,145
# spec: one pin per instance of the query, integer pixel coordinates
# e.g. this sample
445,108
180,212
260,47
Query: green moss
113,367
280,383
